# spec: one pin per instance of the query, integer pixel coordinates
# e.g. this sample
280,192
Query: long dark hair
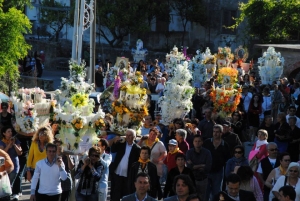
245,173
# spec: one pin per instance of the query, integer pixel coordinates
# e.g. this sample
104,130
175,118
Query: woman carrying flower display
37,149
158,150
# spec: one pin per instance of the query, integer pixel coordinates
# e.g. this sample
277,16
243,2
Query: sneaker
15,197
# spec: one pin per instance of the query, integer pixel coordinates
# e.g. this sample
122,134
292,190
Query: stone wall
31,82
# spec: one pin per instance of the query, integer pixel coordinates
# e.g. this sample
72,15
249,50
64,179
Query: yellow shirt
35,155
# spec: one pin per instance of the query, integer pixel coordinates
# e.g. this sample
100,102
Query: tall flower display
129,106
79,126
203,67
270,66
226,96
176,101
225,101
31,109
224,57
175,57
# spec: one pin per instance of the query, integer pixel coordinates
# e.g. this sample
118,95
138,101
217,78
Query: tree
19,4
270,21
189,11
118,18
13,25
55,15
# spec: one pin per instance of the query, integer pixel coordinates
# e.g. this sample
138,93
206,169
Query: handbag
253,163
276,199
5,189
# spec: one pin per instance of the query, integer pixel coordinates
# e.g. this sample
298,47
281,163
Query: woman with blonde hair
37,149
290,179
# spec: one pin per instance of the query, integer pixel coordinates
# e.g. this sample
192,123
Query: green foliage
19,4
118,18
190,11
54,15
271,21
13,24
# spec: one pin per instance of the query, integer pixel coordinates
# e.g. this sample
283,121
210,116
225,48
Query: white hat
173,142
97,66
42,52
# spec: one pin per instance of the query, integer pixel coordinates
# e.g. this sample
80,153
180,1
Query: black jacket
243,195
168,190
120,149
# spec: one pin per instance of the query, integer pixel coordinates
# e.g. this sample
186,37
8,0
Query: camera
2,161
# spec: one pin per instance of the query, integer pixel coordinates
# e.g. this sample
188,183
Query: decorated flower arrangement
80,99
175,57
79,126
203,67
224,57
129,105
31,109
75,84
176,101
227,76
225,101
270,66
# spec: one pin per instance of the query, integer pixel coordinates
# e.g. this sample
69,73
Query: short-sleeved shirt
13,155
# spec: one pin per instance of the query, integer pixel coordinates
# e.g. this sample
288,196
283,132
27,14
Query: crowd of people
199,157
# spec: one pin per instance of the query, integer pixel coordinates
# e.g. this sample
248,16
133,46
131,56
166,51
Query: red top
170,160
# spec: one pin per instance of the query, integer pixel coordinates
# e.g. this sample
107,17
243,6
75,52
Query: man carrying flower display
126,154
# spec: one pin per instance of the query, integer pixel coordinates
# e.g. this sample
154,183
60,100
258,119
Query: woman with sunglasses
290,179
37,149
236,161
285,160
89,172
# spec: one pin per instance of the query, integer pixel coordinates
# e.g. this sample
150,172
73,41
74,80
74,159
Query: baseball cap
173,142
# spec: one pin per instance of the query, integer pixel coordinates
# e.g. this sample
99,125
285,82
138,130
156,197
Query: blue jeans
214,184
99,89
81,197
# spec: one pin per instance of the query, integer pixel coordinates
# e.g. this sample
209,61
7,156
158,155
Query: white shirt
272,161
123,165
297,122
247,98
267,104
159,86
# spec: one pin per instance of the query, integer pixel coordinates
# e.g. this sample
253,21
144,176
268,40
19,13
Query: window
227,20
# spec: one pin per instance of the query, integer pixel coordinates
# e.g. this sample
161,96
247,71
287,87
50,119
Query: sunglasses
238,152
95,155
273,149
51,151
294,171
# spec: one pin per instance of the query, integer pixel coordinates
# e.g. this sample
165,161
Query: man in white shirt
247,96
49,172
126,154
292,113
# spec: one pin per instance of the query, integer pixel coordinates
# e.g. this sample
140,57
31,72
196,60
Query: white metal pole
75,31
80,31
92,46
